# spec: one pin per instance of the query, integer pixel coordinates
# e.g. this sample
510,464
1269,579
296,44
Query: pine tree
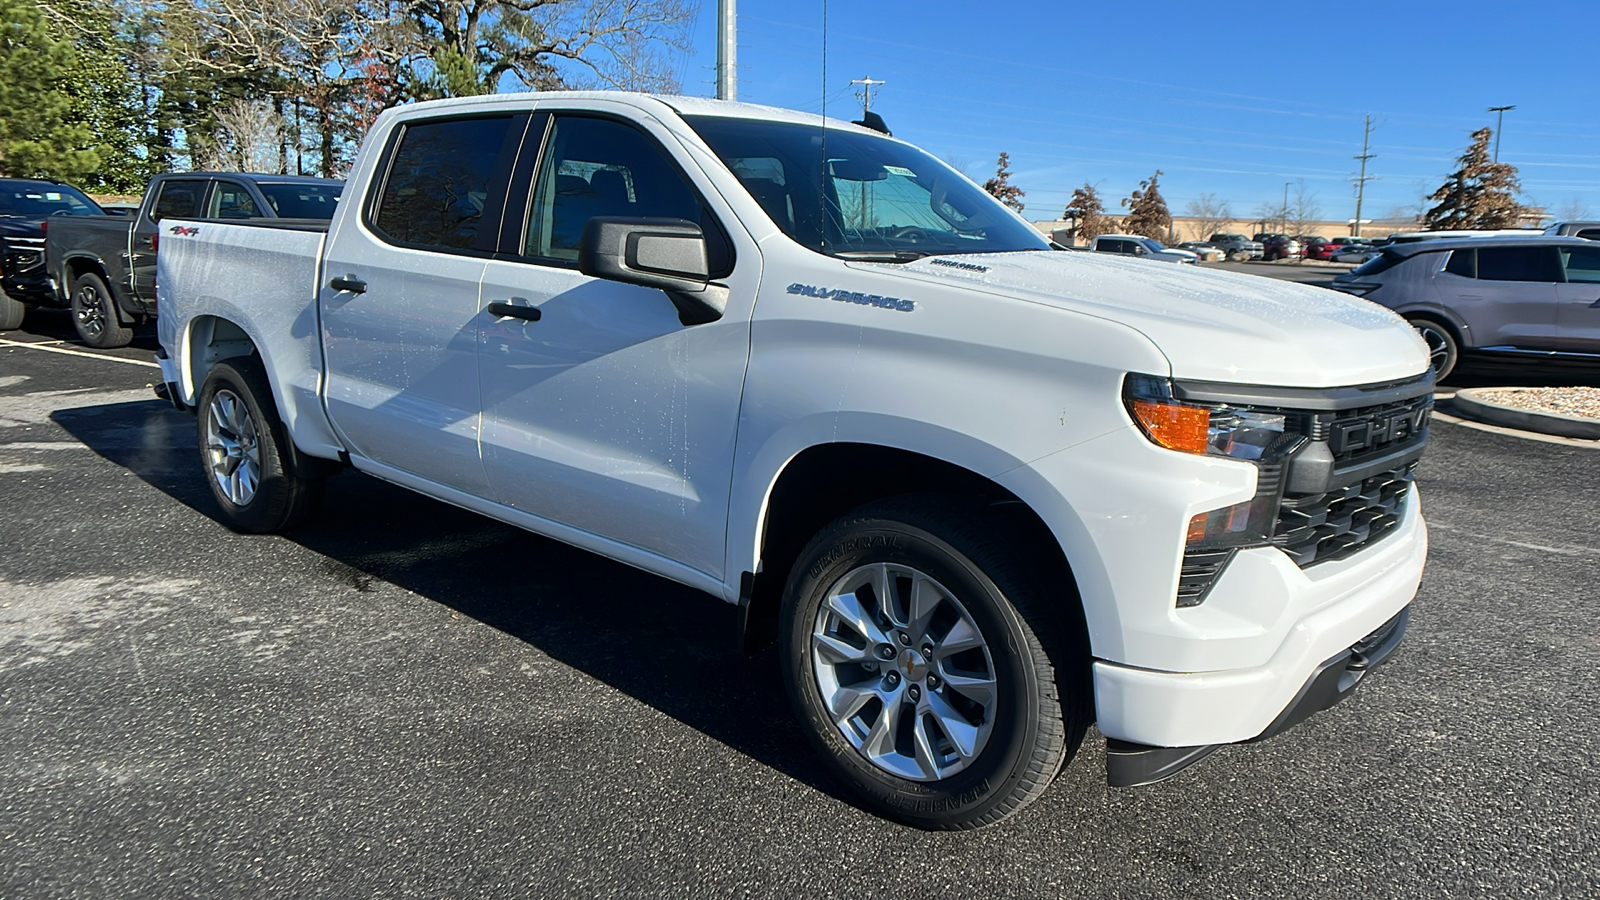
1147,210
1480,194
1000,186
41,134
1088,213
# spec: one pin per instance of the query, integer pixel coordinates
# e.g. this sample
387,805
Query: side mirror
1139,250
668,254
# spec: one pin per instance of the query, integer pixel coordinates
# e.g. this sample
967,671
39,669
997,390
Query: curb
1478,403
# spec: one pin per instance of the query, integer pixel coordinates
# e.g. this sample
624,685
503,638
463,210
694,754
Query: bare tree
1272,216
249,139
1572,210
1303,211
1209,214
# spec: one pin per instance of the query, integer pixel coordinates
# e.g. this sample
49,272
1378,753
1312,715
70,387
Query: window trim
499,179
514,237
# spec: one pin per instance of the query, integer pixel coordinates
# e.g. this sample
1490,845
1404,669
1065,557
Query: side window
231,201
440,178
1463,263
179,199
600,167
1582,264
1518,264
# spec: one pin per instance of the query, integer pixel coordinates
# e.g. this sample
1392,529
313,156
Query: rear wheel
248,460
11,312
1443,350
94,314
926,665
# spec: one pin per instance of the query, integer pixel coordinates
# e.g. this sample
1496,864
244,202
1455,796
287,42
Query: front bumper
1132,765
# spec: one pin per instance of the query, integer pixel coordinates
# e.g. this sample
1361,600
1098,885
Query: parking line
33,345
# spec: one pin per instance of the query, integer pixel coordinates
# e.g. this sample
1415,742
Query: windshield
1153,245
298,200
860,196
38,201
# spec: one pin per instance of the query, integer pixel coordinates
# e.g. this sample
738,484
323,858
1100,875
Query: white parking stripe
71,352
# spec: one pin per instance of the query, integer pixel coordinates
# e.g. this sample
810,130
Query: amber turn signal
1174,425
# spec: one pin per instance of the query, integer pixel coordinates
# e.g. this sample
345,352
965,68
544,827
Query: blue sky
1232,100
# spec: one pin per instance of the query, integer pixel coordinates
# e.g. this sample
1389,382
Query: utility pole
1361,181
727,50
1499,119
1283,211
867,84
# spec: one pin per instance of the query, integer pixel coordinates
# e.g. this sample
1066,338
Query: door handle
508,310
349,283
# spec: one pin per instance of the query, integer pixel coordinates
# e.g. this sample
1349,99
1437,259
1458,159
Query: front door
606,413
400,299
1578,299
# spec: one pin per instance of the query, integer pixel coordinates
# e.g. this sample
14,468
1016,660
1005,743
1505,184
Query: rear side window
1582,264
440,179
301,201
1518,264
179,199
231,201
1383,262
1463,263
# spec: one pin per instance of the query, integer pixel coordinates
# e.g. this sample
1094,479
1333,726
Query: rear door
1578,299
1506,295
400,329
606,413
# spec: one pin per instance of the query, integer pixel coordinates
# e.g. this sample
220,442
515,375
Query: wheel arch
824,481
80,264
1459,329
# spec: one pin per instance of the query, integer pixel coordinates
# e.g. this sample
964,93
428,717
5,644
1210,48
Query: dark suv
1512,295
24,206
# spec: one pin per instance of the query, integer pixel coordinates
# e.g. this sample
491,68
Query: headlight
1232,431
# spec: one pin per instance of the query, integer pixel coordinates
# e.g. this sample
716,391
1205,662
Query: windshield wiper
883,255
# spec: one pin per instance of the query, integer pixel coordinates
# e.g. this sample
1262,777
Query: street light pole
1284,210
1499,118
727,51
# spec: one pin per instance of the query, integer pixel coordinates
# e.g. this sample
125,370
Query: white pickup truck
981,493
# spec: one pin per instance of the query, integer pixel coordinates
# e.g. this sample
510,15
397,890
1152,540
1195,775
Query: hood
20,226
1211,325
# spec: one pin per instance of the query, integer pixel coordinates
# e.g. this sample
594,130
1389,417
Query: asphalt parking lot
406,700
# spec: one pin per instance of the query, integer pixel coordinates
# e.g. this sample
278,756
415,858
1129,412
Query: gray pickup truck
1237,247
104,267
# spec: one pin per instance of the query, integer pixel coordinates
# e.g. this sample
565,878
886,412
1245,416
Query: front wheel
11,312
245,452
926,665
94,314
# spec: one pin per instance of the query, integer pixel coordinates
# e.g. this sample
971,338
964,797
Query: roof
1502,240
654,103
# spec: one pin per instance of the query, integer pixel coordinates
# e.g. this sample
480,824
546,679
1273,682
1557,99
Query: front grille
1354,436
1324,527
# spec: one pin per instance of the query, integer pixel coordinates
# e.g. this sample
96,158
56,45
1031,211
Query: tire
1444,351
995,683
12,311
94,314
245,453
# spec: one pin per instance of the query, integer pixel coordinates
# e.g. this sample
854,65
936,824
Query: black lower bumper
1132,765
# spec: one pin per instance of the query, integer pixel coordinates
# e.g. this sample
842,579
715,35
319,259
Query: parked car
1318,247
1208,252
1508,295
1586,230
103,267
25,205
1141,247
1354,253
979,495
1238,247
1281,246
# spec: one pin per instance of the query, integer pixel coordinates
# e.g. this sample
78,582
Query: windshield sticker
842,296
902,171
970,267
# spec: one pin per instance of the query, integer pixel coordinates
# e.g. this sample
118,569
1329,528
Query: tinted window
1383,262
1463,263
601,167
1592,234
301,201
440,180
179,200
1518,264
857,195
231,201
40,199
1582,264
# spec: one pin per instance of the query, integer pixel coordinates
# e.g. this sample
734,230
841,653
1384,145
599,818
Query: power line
867,84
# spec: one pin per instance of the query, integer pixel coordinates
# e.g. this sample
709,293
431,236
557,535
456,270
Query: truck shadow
665,645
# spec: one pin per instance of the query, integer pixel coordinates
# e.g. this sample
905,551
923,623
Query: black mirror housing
667,254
